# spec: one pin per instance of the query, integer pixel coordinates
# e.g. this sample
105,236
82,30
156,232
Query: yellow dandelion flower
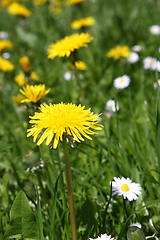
5,44
34,93
80,65
25,64
118,52
18,9
34,76
6,3
71,2
18,98
40,2
5,65
20,79
68,44
83,22
59,120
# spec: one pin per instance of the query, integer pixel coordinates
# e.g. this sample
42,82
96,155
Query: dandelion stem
70,192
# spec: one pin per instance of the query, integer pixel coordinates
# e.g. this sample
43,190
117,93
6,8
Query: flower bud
135,232
25,64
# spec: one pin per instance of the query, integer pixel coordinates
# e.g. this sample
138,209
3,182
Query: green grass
127,146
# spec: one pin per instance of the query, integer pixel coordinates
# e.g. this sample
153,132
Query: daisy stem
70,192
125,208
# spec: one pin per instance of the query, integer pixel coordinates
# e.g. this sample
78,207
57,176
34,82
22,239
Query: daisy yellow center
121,80
125,187
150,62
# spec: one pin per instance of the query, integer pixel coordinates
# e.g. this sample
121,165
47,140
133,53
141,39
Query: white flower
112,106
133,57
155,29
158,82
150,63
6,55
136,48
158,66
3,35
122,82
137,224
68,76
126,188
103,237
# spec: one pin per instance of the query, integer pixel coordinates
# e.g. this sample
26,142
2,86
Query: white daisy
102,237
133,57
137,48
68,76
137,224
126,188
122,82
158,66
112,106
155,29
150,63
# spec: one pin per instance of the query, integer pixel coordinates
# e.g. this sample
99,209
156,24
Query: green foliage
23,223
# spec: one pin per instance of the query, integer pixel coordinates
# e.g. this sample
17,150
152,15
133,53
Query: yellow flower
83,22
68,44
34,93
40,2
60,120
80,65
5,65
118,52
5,44
70,2
18,9
18,98
34,76
5,3
20,79
25,64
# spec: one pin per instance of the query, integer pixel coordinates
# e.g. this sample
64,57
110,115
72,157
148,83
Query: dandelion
40,2
72,2
122,82
112,106
20,79
5,65
25,64
18,9
69,44
150,63
83,22
119,52
103,237
80,65
34,93
61,120
34,76
18,98
5,3
155,30
126,188
5,44
133,57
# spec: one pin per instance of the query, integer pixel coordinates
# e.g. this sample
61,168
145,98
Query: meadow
122,94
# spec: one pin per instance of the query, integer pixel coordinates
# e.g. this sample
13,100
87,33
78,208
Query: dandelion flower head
63,119
40,2
69,44
5,65
83,22
103,237
25,64
80,65
20,79
34,93
119,52
72,2
18,9
122,82
5,44
126,188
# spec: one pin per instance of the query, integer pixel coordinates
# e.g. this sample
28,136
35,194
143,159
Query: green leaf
23,223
